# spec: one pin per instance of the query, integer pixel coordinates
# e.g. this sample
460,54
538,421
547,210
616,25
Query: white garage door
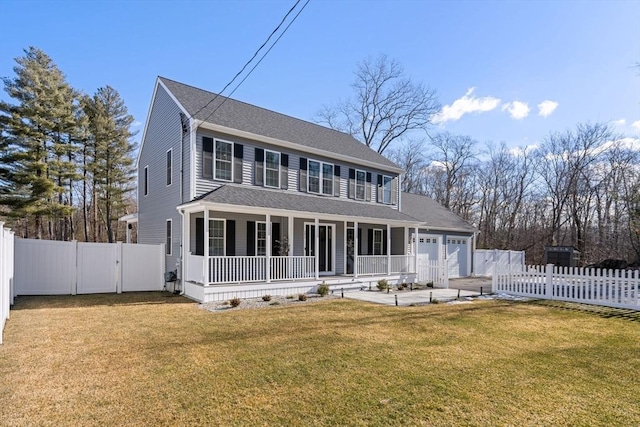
429,244
457,256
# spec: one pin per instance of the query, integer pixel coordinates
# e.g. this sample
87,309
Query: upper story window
360,184
217,159
271,169
320,177
387,183
146,180
169,165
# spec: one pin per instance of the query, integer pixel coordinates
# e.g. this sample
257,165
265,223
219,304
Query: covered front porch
243,245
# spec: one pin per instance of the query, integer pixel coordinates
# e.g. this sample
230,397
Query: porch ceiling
287,203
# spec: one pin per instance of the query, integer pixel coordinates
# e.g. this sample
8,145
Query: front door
326,246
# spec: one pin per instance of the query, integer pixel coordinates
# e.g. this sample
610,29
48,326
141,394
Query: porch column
205,267
355,249
317,247
345,255
388,249
185,246
268,251
415,249
406,248
290,235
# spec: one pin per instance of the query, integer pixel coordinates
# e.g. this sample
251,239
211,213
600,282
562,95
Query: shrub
274,303
401,286
435,301
430,285
266,297
383,285
302,297
234,302
323,289
291,296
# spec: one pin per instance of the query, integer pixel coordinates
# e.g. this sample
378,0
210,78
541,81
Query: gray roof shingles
249,118
436,216
277,199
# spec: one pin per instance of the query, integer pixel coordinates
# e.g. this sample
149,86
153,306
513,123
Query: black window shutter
275,237
384,242
336,170
231,237
200,236
207,144
370,241
352,183
359,241
368,176
336,180
367,188
284,160
259,169
379,192
238,154
284,171
302,178
251,238
379,180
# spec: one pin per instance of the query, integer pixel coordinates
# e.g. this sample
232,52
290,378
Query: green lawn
157,359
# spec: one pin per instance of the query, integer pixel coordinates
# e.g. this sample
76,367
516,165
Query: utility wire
253,57
259,61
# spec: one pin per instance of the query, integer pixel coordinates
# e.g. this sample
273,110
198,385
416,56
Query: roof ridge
262,108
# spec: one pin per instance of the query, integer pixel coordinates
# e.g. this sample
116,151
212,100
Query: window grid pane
314,177
261,238
216,238
360,185
386,189
223,158
327,179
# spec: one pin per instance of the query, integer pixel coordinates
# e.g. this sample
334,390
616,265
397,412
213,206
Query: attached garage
459,256
429,244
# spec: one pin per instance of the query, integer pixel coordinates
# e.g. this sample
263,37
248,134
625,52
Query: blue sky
493,63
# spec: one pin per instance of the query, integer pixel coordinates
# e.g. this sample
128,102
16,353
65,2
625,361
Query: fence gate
97,265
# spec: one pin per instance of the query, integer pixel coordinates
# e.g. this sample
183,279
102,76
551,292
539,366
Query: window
146,180
387,181
216,237
261,238
223,160
272,169
377,242
169,160
360,184
167,245
320,173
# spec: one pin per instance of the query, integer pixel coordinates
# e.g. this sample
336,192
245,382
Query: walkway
406,298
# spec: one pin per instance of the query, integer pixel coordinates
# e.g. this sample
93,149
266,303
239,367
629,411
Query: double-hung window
216,237
320,178
271,169
387,182
377,241
168,240
223,160
261,238
360,184
169,165
146,180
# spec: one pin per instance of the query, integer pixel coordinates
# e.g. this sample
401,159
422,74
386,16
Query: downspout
181,276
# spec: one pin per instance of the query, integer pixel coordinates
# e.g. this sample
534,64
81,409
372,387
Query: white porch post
205,268
290,235
355,249
388,249
345,256
185,245
317,247
415,249
268,251
406,247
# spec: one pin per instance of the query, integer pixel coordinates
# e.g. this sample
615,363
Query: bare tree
410,157
386,105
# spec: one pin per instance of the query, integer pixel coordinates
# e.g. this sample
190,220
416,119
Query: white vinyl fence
6,275
611,288
485,260
432,271
45,267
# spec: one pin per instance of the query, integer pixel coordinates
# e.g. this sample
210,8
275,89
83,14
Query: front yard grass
157,359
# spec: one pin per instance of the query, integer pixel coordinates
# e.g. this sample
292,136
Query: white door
429,244
457,256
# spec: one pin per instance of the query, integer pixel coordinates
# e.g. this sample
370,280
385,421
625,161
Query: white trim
321,177
381,198
296,147
256,237
215,141
168,239
169,169
224,237
373,241
192,158
317,239
264,168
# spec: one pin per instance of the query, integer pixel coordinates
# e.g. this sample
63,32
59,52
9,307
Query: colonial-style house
247,198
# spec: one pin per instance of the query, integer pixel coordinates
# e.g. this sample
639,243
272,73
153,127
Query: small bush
302,297
400,286
383,285
274,303
435,301
234,302
266,297
323,289
291,296
430,285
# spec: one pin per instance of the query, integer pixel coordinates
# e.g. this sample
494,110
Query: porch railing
292,267
403,264
194,268
369,265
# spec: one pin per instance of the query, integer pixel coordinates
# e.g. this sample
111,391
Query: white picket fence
45,267
6,275
432,271
485,260
611,288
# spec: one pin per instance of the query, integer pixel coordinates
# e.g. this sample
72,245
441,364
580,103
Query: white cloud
517,110
136,124
521,151
545,108
636,124
465,105
620,122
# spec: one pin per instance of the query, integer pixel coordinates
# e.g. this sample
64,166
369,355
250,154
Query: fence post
74,263
548,288
494,279
119,275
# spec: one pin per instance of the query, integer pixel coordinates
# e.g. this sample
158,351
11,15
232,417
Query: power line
254,56
259,61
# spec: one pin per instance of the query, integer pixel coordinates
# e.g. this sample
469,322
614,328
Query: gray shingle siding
164,132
